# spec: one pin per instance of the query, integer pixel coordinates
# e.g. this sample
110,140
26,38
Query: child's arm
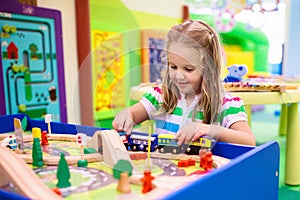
126,119
239,133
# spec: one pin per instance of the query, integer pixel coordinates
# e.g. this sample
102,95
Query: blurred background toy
236,72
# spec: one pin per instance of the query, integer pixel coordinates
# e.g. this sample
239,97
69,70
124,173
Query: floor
265,127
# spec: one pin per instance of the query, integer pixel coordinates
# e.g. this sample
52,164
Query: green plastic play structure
249,39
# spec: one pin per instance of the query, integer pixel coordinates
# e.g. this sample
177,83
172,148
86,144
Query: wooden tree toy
147,182
44,138
24,123
37,153
36,132
122,167
63,173
124,183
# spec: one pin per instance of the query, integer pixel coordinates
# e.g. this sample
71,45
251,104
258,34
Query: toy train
165,143
10,142
139,142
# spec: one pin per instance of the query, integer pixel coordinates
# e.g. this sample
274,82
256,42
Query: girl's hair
205,41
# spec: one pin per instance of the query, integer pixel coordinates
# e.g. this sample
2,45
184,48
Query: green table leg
283,120
292,164
248,109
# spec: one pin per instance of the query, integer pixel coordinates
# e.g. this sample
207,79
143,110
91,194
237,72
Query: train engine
139,142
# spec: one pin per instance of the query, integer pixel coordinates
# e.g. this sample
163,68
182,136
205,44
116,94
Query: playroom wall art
108,73
31,67
153,46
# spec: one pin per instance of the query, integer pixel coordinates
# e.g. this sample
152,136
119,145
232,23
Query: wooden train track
14,169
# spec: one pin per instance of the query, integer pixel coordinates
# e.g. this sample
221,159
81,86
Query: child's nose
179,75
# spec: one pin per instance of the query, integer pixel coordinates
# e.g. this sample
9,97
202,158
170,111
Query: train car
167,144
204,142
124,138
10,142
138,141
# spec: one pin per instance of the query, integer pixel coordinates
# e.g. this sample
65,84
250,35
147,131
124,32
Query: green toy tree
122,166
63,173
37,153
122,171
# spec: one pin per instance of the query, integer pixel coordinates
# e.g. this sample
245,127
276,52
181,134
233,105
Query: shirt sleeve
233,110
152,101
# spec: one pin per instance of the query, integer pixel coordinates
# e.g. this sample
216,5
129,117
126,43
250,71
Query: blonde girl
191,102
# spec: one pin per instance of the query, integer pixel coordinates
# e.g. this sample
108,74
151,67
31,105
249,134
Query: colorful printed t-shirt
232,110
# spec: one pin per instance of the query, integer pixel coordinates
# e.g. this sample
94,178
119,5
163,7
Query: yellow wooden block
36,132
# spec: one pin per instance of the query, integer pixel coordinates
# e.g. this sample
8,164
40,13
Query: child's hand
123,121
191,132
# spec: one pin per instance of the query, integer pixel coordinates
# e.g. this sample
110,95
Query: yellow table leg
283,120
292,164
248,109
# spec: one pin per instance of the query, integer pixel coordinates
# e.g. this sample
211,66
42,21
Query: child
192,101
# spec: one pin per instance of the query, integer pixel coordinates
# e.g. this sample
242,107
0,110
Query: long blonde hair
202,38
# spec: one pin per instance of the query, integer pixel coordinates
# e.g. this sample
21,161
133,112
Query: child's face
183,64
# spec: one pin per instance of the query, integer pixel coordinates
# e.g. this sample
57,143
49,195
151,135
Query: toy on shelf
248,86
236,72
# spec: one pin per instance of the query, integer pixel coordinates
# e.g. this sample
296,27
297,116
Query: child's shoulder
154,92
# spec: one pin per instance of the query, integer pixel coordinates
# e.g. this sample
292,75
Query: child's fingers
178,137
127,126
183,137
115,125
188,138
197,135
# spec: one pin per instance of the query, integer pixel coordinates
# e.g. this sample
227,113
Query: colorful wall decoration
108,73
31,67
153,53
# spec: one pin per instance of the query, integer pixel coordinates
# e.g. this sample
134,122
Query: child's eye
189,69
173,66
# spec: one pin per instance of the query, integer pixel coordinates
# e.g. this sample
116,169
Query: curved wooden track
112,145
23,177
